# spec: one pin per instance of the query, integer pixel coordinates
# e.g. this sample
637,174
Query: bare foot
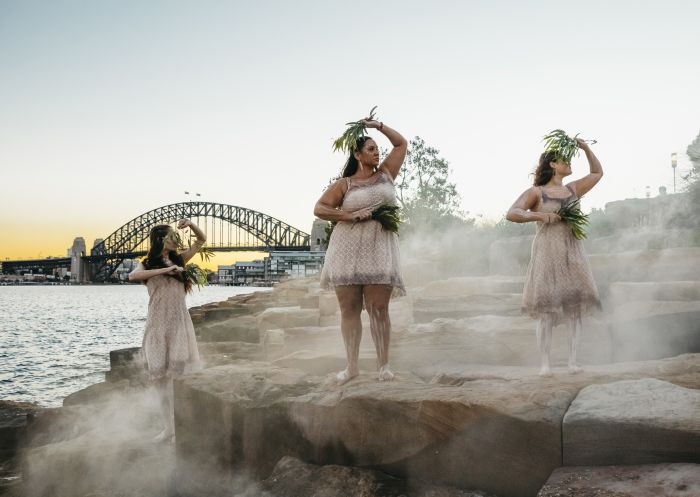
385,373
575,368
545,372
345,375
164,436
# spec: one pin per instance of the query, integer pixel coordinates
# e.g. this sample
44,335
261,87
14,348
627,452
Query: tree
425,193
693,177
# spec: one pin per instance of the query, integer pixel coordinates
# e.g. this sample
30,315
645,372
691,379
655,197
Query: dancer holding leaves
559,285
169,344
362,260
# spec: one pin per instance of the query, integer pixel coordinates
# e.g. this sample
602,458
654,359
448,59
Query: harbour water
55,340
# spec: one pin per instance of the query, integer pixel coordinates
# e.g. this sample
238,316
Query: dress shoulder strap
573,193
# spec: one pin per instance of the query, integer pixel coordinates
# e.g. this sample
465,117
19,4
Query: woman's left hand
582,144
183,223
370,124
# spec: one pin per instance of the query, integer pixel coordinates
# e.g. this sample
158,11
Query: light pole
674,163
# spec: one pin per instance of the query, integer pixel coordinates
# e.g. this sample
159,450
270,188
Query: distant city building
277,266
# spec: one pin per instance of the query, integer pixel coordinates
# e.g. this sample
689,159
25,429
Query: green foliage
204,252
348,140
427,197
564,146
196,275
693,177
571,214
389,217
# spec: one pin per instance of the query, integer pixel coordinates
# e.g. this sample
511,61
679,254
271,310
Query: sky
110,109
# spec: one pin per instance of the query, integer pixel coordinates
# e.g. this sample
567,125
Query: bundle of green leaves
347,142
388,216
196,275
571,214
564,146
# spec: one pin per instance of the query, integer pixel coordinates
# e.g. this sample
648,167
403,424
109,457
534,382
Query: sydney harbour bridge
228,228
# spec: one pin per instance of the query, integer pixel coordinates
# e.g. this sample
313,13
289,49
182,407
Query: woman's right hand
548,217
174,269
361,215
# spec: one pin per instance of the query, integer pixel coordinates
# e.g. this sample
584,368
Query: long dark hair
544,171
351,164
154,257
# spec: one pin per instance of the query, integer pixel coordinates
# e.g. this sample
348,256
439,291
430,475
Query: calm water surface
55,340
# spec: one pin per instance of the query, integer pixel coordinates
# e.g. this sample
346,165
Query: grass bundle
388,216
564,146
571,214
195,274
348,141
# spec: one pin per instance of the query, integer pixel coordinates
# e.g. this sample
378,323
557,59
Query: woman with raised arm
362,260
169,344
559,284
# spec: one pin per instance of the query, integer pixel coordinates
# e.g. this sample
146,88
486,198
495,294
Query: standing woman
362,260
559,284
169,344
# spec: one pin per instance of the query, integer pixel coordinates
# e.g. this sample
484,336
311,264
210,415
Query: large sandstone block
647,265
632,422
426,309
655,329
473,285
652,480
287,317
237,329
465,428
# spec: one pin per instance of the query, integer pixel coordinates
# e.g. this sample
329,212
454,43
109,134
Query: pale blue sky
109,109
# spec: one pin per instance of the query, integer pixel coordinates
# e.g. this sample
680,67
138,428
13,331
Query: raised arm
201,239
584,185
392,163
520,211
328,206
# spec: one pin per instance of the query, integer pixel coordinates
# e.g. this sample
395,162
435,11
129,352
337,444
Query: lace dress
363,253
559,281
169,343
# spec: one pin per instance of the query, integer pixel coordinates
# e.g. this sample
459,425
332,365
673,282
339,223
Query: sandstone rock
126,364
632,422
647,265
328,304
655,329
653,480
293,478
472,285
13,426
467,428
96,392
287,317
219,353
237,329
426,309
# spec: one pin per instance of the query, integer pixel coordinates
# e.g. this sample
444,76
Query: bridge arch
272,233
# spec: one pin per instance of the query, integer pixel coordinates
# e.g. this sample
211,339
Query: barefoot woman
559,284
362,260
169,343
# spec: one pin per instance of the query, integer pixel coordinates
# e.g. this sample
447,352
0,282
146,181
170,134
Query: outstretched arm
201,239
392,163
584,185
520,211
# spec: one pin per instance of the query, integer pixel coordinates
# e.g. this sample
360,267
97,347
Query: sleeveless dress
363,253
559,281
169,343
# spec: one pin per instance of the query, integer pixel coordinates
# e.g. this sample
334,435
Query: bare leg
164,389
544,342
575,327
350,301
377,302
